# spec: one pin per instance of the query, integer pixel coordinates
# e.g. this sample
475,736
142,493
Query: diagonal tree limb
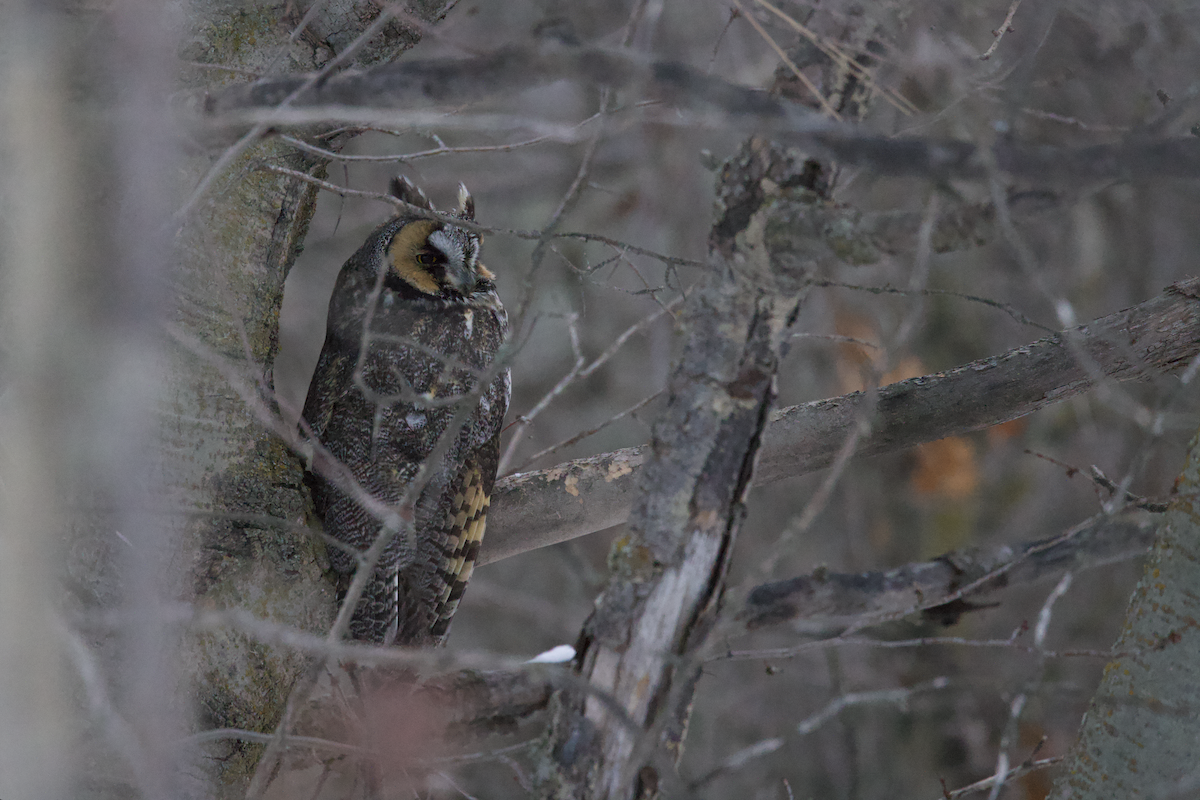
822,600
1158,337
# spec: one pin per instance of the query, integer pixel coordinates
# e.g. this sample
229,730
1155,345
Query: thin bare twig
1011,643
475,227
579,437
1007,308
1005,27
845,61
1011,729
738,760
226,158
524,420
820,498
442,149
1022,769
580,372
900,697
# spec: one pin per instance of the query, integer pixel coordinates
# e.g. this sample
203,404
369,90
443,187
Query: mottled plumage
414,322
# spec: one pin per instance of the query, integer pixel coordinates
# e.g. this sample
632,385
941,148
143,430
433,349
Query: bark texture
1140,736
825,600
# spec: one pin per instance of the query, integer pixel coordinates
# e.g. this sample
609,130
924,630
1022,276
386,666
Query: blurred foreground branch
1158,337
389,94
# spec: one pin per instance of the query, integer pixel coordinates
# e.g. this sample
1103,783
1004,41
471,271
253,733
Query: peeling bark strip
668,574
1158,337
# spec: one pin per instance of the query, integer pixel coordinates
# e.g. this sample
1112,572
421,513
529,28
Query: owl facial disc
435,259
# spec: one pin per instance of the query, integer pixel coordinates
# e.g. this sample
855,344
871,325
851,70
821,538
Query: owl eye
426,258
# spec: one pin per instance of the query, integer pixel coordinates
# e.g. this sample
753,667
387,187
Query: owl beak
459,278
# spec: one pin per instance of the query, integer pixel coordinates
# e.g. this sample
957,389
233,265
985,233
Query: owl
414,326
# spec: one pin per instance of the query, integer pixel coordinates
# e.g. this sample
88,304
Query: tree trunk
209,497
1140,737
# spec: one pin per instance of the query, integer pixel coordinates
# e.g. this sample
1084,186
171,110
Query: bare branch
1024,768
1004,28
487,692
824,598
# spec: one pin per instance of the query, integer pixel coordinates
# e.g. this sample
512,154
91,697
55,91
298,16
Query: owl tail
375,617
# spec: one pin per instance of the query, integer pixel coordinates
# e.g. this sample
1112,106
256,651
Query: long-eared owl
414,325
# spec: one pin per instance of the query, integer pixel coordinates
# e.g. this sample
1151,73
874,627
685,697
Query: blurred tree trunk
40,249
209,502
1140,736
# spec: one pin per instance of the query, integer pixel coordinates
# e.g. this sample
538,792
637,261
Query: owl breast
420,367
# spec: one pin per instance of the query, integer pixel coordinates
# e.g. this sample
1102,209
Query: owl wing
465,524
331,381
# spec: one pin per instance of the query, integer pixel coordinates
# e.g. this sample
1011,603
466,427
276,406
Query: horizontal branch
393,93
826,598
1158,337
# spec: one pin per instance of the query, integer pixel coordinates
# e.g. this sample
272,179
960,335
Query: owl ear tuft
404,189
466,203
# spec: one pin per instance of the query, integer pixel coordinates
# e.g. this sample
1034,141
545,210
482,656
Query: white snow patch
555,655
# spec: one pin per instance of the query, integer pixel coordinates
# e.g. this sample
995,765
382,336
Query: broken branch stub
636,649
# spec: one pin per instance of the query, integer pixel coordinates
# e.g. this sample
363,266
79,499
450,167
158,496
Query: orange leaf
946,468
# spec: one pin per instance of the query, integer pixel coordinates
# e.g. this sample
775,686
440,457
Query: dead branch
668,576
827,599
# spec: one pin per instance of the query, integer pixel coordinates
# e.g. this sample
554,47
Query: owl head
431,257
